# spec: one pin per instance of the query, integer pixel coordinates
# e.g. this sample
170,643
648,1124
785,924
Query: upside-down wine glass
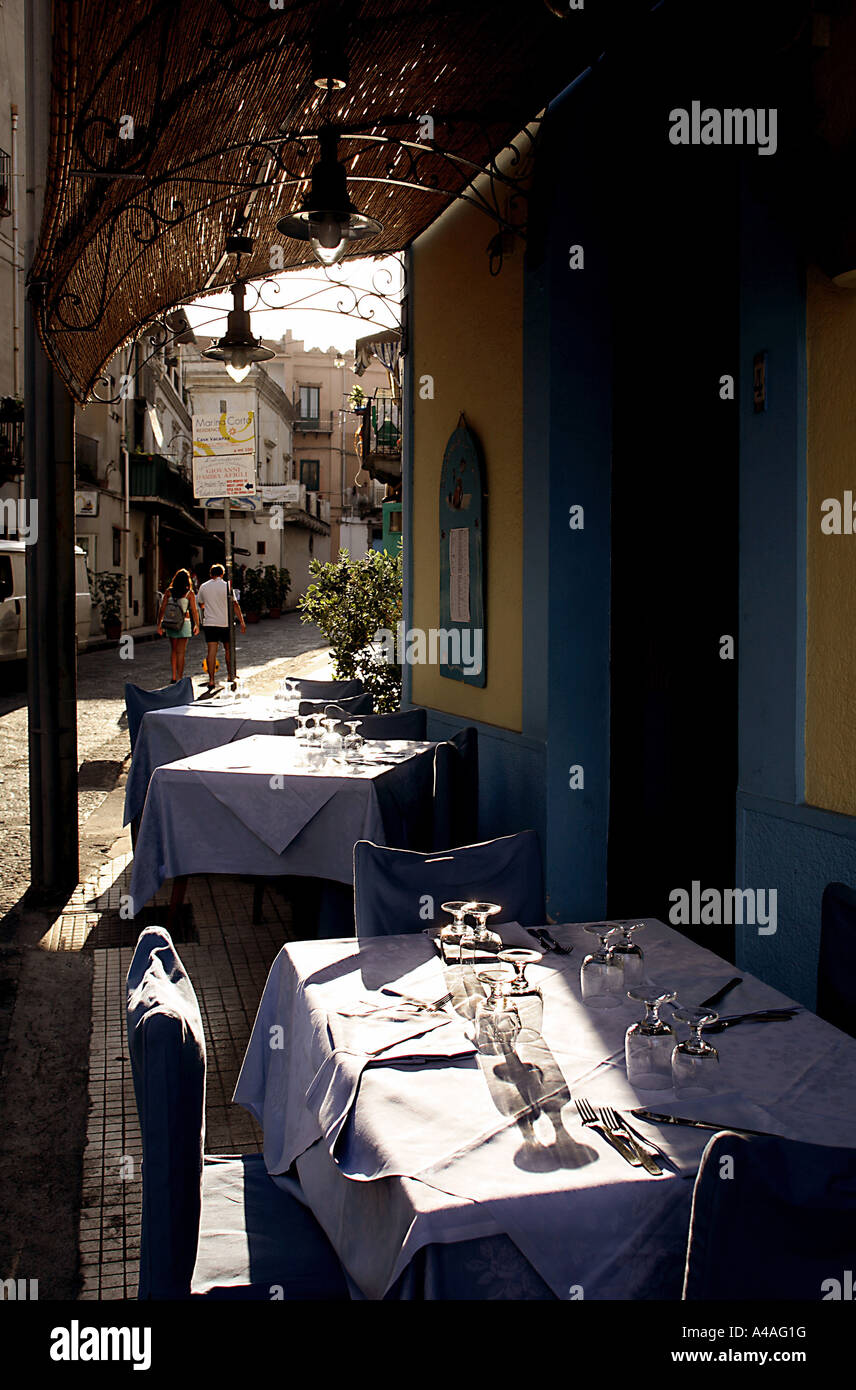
480,941
694,1062
453,932
602,973
353,743
528,997
632,955
648,1044
496,1022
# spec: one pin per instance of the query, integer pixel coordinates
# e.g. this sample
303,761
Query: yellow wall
831,559
467,335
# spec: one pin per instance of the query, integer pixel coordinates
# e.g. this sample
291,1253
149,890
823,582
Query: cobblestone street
265,653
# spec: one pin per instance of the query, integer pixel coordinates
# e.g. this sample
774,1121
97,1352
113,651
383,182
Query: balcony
315,424
154,477
379,436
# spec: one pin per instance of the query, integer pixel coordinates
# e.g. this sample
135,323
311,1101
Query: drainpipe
126,475
16,259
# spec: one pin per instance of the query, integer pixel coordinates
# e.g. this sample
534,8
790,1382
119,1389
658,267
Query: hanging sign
224,455
462,647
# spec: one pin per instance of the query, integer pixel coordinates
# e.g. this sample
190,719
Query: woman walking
177,610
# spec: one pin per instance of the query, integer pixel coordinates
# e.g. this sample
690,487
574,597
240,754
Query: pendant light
238,349
328,219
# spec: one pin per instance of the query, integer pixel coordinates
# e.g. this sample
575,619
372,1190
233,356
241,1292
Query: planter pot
275,613
252,617
113,630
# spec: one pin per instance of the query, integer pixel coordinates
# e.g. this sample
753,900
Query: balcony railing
5,184
315,424
154,476
11,438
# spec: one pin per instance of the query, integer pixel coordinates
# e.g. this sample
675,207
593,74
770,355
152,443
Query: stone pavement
69,1137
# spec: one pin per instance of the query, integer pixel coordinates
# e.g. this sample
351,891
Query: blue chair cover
167,1048
456,790
404,723
836,985
214,1226
391,885
778,1228
328,690
138,702
355,704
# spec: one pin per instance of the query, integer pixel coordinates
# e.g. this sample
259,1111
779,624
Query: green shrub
350,601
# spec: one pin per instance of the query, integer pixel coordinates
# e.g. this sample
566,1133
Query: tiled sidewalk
228,960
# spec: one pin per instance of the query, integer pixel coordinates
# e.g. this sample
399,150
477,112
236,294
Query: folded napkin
387,1034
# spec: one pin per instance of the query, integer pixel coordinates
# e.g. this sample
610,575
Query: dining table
255,807
167,734
441,1171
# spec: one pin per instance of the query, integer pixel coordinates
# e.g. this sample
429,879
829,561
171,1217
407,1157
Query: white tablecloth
431,1153
249,808
168,734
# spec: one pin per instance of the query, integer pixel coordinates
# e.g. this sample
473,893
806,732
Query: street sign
224,455
241,504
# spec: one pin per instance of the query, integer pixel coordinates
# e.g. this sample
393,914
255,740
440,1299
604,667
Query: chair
328,690
391,885
456,790
776,1223
836,987
407,723
218,1227
355,704
139,701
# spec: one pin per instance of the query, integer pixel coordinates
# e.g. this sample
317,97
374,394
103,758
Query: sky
321,326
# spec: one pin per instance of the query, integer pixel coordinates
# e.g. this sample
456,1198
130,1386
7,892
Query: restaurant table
249,807
424,1144
168,734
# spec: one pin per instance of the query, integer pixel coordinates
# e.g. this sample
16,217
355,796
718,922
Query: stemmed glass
452,933
314,734
353,743
632,956
601,973
694,1062
496,1022
648,1044
528,997
301,738
480,940
331,740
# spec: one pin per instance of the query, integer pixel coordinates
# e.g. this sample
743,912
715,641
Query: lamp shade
328,219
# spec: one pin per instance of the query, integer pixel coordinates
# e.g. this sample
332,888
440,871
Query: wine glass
601,973
480,940
632,955
353,743
331,740
314,734
496,1022
694,1062
648,1044
528,997
453,932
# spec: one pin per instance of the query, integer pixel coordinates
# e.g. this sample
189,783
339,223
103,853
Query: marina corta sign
224,455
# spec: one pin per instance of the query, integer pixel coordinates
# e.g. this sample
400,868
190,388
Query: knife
721,993
653,1118
548,942
761,1016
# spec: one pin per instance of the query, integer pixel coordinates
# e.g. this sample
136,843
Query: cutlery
548,942
616,1125
430,1005
653,1118
590,1119
760,1016
721,993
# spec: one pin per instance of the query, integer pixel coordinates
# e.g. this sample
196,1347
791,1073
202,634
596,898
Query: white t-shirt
214,597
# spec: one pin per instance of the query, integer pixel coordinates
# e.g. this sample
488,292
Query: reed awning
174,119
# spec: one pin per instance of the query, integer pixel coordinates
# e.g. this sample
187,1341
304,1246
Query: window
310,470
117,548
260,547
310,402
87,545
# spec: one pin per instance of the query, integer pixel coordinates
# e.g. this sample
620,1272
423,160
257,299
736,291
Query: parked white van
13,600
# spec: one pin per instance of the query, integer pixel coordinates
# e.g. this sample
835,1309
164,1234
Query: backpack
173,614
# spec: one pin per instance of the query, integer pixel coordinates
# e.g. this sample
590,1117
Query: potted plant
251,595
272,591
108,593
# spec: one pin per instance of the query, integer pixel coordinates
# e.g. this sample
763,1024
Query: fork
614,1122
590,1119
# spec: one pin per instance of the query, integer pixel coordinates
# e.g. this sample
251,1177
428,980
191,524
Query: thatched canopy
225,120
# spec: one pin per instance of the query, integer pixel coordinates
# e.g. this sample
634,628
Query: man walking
213,599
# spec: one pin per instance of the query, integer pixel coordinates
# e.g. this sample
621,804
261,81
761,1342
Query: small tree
350,601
